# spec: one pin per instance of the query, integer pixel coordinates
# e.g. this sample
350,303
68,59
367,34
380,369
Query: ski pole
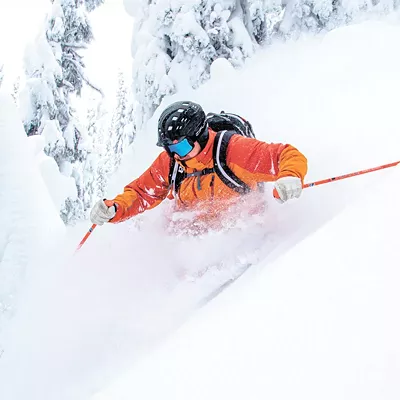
275,193
337,178
88,233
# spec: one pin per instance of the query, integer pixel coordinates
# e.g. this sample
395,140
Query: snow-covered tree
16,89
42,98
314,16
123,125
55,73
90,187
68,32
310,16
108,135
94,185
176,42
93,4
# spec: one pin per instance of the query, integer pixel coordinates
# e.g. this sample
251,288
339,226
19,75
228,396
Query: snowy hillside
319,322
314,318
317,316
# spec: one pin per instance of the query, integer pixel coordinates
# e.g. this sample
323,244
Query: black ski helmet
182,119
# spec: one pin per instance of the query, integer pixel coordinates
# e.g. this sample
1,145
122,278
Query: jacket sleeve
255,161
145,192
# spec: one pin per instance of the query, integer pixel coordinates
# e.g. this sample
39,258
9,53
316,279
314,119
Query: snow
240,39
314,317
60,186
110,50
29,221
19,23
319,322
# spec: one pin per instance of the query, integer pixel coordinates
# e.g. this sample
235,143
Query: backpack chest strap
178,174
199,174
204,171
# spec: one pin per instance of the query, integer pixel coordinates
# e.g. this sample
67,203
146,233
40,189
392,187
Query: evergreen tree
90,178
42,102
123,126
314,16
55,73
94,185
16,89
119,118
310,16
176,42
92,4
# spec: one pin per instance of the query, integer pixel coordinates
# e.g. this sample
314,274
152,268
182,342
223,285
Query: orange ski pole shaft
338,178
91,229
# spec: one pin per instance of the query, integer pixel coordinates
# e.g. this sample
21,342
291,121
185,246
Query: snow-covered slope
314,317
321,322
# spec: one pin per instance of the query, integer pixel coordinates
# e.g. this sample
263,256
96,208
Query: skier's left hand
288,187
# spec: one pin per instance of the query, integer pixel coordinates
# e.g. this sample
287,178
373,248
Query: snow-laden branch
90,84
75,45
79,70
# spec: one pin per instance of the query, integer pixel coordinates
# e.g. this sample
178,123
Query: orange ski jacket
251,160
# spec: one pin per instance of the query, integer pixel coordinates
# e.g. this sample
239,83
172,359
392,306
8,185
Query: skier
204,170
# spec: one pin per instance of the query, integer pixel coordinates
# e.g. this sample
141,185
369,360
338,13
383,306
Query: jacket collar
205,157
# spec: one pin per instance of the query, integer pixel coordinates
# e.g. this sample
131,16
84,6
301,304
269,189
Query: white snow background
316,316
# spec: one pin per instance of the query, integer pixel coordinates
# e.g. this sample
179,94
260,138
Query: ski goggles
182,148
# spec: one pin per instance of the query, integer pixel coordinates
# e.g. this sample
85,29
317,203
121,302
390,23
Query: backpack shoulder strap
220,163
176,176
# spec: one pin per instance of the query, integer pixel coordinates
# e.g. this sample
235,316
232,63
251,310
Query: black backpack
226,125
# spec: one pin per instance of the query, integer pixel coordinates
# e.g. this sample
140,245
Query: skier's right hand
102,213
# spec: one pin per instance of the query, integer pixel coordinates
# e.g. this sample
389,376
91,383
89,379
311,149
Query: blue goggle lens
182,148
